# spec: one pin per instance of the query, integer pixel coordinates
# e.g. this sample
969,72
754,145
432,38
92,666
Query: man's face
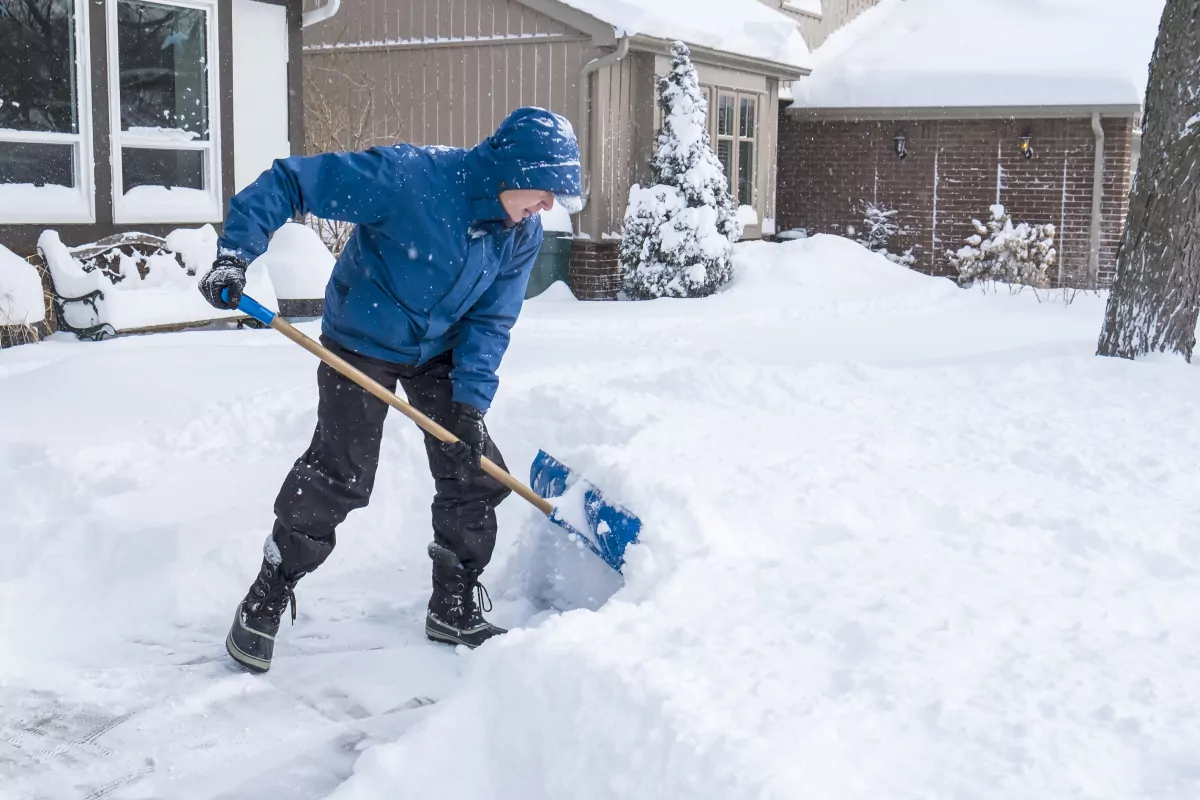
522,203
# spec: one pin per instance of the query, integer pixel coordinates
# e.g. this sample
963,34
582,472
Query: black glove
466,422
228,272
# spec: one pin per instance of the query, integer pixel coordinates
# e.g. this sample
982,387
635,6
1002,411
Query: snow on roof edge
746,28
886,59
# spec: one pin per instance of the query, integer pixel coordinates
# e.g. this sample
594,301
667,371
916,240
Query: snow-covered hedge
678,236
1005,253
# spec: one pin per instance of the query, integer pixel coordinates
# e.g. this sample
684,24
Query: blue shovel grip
252,307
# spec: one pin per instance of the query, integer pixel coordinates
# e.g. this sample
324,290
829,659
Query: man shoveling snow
424,294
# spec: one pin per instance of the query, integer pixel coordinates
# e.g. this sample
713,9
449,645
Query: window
747,130
45,130
725,131
163,72
736,132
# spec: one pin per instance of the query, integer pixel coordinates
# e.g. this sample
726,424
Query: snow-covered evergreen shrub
879,225
1002,252
678,235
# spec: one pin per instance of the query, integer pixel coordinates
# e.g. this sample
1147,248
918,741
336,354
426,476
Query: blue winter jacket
433,263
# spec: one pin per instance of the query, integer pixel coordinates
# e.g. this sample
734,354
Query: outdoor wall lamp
1026,145
901,143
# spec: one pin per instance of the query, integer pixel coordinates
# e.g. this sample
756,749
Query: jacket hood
532,149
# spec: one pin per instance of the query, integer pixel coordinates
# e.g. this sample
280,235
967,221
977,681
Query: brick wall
595,270
954,171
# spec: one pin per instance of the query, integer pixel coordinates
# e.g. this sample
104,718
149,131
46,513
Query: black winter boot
251,640
454,609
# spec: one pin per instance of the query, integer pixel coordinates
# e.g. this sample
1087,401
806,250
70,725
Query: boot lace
274,593
472,598
482,598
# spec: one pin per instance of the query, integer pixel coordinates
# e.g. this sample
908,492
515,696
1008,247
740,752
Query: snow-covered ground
901,541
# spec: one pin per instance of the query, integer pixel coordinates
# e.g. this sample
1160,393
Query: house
129,115
448,71
809,15
939,109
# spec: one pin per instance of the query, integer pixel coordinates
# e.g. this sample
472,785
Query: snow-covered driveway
901,541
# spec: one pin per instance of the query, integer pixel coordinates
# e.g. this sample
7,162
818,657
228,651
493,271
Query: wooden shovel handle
365,381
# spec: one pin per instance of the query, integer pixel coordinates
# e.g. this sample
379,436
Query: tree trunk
1156,297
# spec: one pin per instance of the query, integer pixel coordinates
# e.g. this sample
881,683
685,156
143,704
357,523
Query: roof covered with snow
986,53
744,27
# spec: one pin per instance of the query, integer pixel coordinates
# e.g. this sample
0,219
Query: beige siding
443,71
614,101
811,27
448,72
835,14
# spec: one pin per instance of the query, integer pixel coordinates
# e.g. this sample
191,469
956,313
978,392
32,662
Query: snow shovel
603,527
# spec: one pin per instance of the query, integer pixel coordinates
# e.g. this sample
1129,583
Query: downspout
1097,203
585,127
320,14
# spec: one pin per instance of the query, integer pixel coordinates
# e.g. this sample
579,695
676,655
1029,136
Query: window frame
752,140
25,209
125,211
715,92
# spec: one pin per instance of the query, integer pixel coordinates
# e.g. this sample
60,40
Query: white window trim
24,203
209,206
736,137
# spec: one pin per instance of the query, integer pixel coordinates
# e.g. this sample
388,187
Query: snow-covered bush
677,240
880,227
1002,252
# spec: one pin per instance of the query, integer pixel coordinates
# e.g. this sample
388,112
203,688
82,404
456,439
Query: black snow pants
337,473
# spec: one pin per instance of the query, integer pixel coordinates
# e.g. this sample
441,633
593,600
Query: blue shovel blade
606,528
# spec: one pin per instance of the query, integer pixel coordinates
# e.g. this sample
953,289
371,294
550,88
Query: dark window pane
745,187
725,156
141,167
163,52
725,115
39,164
37,57
746,128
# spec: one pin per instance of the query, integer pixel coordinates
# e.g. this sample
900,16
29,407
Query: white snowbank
21,299
557,292
746,27
967,53
298,262
901,541
167,295
862,575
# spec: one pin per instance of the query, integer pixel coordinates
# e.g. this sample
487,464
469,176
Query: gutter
320,14
585,126
1097,203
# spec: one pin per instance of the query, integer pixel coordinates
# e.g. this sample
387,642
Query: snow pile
21,299
298,262
848,587
901,541
678,235
746,27
932,53
166,294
